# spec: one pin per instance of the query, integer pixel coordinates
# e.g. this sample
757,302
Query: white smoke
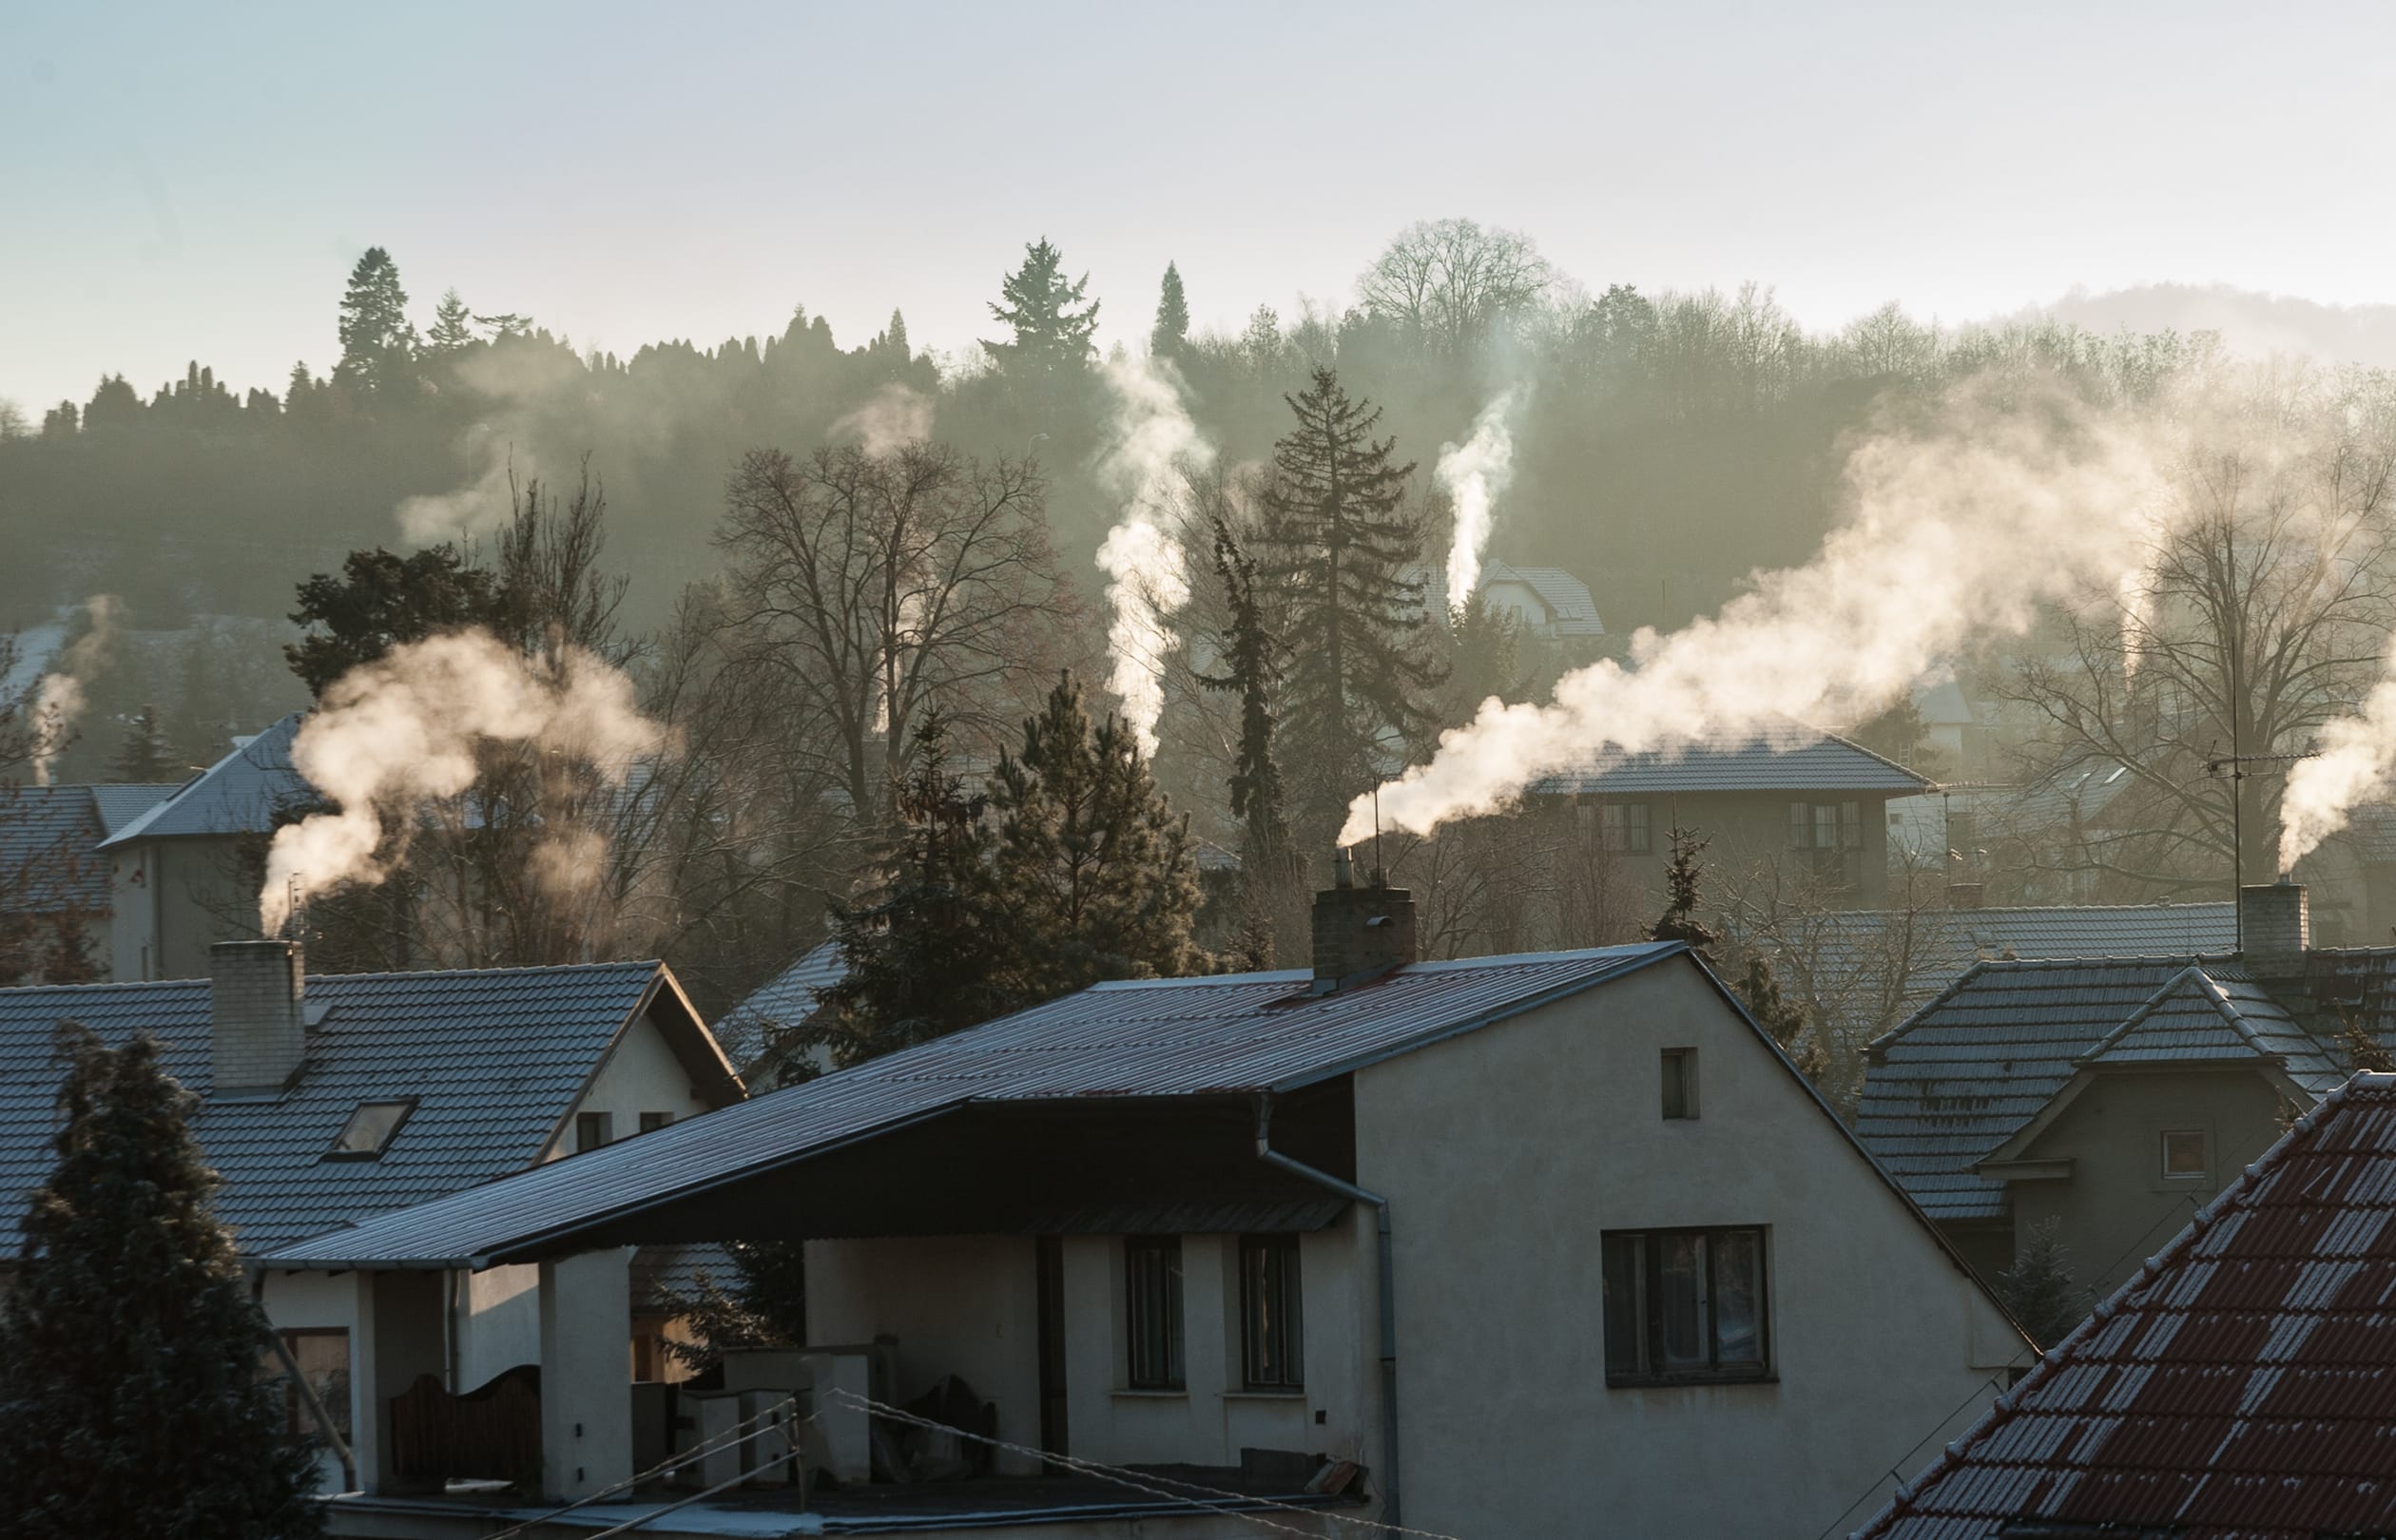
1155,444
895,417
1476,473
2356,762
394,734
1950,534
484,503
59,699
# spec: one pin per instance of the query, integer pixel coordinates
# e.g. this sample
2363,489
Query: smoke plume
2357,761
1476,473
402,730
896,416
58,702
1951,533
1155,444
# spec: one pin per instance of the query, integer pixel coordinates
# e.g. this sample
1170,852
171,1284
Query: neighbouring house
55,882
327,1100
754,1032
1483,1247
176,875
1807,803
1545,604
2237,1385
2111,1097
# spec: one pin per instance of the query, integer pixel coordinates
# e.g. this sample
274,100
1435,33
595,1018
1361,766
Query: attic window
370,1130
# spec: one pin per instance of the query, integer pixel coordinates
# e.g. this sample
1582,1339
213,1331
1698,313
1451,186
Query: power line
696,1453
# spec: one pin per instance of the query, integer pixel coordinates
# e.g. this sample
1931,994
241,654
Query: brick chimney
1360,933
2274,929
256,1030
1965,894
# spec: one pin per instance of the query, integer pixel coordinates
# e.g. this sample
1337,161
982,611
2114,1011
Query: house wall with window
640,1079
173,899
1843,837
1516,1154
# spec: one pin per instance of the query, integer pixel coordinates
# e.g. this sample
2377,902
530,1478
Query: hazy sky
194,181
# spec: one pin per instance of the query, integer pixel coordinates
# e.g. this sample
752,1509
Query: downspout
1266,1152
307,1391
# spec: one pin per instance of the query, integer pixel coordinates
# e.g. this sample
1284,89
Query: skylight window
370,1130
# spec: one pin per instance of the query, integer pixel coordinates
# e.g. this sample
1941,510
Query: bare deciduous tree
1451,281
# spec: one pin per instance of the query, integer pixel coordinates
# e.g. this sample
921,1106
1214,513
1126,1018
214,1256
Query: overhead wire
730,1437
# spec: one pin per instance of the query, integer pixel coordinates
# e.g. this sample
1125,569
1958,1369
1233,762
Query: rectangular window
651,1122
1829,840
591,1129
1626,828
1271,1341
1152,1311
370,1130
1680,1083
1685,1305
322,1355
2184,1157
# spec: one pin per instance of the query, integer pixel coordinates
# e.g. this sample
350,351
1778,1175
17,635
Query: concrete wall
585,1307
2115,1209
499,1323
336,1302
173,899
1508,1151
641,1075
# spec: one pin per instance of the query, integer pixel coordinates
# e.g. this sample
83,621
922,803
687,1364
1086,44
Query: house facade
1519,1239
55,893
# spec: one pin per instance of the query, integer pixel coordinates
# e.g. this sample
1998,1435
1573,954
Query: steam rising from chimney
1952,534
895,417
1147,580
59,701
2357,761
403,729
1476,473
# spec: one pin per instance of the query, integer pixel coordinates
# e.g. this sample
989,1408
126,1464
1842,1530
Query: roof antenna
1380,872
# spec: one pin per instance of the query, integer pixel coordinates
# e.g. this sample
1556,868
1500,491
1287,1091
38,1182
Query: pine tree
376,341
1051,337
1251,670
895,341
132,1402
1684,897
1339,545
1094,871
142,757
1783,1019
1170,337
2038,1287
453,326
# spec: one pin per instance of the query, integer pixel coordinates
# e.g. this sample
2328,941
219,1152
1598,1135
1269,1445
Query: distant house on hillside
54,887
1546,602
753,1032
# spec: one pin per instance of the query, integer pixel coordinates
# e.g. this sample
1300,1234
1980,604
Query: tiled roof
239,794
2242,1385
1785,756
1934,946
49,837
787,999
495,1058
1225,1035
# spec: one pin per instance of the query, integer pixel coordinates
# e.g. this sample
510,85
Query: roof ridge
2207,990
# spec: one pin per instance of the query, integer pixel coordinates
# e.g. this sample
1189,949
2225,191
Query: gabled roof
48,841
239,794
1782,756
787,999
2239,1386
1571,608
1231,1036
495,1058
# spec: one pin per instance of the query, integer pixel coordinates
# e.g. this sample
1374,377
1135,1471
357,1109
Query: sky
194,182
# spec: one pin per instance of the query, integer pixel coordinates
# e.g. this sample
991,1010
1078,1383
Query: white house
1529,1238
51,873
325,1101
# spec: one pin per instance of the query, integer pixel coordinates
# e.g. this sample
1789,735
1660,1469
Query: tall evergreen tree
142,757
895,339
132,1402
1170,337
1251,670
1340,549
1051,337
453,326
377,344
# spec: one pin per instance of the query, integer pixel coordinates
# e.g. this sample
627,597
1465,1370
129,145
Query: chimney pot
257,1027
2274,928
1343,868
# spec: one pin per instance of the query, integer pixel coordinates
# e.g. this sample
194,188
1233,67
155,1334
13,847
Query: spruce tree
1170,337
1251,670
1051,337
2038,1287
132,1401
1340,549
142,757
453,326
376,341
895,341
1684,895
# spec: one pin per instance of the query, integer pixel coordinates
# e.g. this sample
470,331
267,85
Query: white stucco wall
302,1301
1508,1151
171,900
641,1075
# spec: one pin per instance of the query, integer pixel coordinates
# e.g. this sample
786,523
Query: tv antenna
2232,767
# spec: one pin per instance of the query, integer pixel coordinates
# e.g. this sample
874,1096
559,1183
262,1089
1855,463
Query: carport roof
1236,1036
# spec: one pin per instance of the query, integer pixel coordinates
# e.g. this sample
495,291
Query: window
651,1122
1685,1305
1271,1343
370,1130
2184,1155
1828,838
1626,827
322,1355
591,1129
1680,1083
1152,1311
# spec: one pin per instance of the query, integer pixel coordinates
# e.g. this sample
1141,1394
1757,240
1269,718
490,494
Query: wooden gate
491,1434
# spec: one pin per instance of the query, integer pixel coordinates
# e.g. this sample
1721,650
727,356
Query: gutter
307,1391
1266,1152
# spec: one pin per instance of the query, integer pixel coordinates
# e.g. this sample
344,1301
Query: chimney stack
1965,894
256,1030
1360,933
2274,929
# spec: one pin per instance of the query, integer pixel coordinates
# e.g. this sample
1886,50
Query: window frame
604,1122
406,1106
1155,1305
1831,837
1684,1108
1648,1308
335,1395
1263,1339
2163,1155
1626,828
651,1122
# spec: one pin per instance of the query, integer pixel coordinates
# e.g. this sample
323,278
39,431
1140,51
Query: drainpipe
307,1391
1266,1152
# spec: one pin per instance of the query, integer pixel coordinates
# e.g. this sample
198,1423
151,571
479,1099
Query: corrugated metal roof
495,1058
239,794
2242,1385
1229,1036
1786,756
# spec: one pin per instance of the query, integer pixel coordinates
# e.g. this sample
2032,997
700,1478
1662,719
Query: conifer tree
1339,545
453,326
377,344
132,1402
142,757
895,339
2038,1287
1684,897
1758,988
1051,337
1170,337
1251,670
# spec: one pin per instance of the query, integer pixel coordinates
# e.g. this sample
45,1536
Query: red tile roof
2243,1384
